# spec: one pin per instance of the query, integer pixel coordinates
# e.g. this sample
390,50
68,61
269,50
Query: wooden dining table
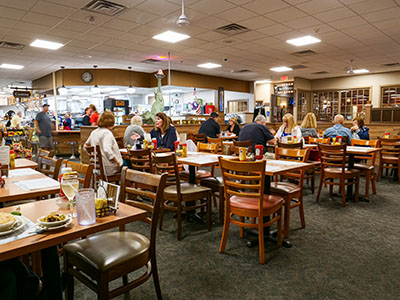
22,163
47,241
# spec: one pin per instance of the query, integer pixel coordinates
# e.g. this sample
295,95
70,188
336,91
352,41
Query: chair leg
225,232
313,183
161,215
125,279
301,211
241,230
102,288
179,220
343,189
367,179
373,179
155,278
209,212
221,206
357,188
279,227
319,188
261,241
286,217
378,176
331,189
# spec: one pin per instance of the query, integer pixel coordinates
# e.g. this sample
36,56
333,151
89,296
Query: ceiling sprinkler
182,20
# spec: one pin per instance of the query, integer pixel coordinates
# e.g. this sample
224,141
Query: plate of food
54,228
17,223
53,219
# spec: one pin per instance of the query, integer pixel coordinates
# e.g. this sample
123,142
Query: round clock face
87,77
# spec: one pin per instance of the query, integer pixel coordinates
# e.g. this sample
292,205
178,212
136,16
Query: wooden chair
367,169
243,143
245,198
217,141
199,137
312,140
44,152
84,171
291,192
49,166
298,145
120,142
180,197
201,174
141,160
100,259
333,166
389,158
96,159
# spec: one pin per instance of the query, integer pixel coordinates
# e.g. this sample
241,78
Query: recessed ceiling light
305,40
46,44
360,71
281,69
171,37
209,66
11,66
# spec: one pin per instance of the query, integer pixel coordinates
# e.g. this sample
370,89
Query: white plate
67,222
21,222
52,224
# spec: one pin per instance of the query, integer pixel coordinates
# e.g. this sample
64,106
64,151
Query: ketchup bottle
259,149
154,141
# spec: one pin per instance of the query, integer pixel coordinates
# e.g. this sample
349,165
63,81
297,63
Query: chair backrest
96,159
49,166
120,141
130,180
390,147
366,143
84,171
243,143
298,145
209,148
164,163
199,137
312,140
333,156
243,179
47,153
292,154
141,160
218,142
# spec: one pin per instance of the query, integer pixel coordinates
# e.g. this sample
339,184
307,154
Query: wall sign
221,99
22,94
284,88
119,103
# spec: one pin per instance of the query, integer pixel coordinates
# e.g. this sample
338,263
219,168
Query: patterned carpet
343,253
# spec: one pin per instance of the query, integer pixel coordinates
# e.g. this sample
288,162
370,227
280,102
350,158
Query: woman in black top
86,118
233,127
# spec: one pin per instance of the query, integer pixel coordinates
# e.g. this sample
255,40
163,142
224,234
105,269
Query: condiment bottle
387,135
154,141
12,159
184,150
63,171
145,144
176,144
259,149
242,153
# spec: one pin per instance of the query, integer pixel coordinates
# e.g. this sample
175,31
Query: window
353,102
390,96
325,104
302,105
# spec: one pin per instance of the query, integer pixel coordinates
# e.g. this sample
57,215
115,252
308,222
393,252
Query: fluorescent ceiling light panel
263,81
360,71
171,37
46,44
11,66
281,69
302,41
209,66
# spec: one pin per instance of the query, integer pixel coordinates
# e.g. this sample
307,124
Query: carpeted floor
343,253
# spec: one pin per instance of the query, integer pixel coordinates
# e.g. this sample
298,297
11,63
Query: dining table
22,163
46,241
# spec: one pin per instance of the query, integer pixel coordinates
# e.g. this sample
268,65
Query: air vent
232,29
151,61
11,46
304,53
105,7
391,65
297,67
320,73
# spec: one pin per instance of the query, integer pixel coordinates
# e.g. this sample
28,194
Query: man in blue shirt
257,132
338,129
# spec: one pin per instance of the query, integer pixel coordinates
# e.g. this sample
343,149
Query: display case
325,104
302,104
118,107
390,96
352,102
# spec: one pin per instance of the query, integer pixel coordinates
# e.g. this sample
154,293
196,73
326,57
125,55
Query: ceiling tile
275,29
383,15
286,14
75,26
217,6
250,36
64,33
335,14
372,5
257,22
27,26
237,14
137,16
107,32
41,19
120,25
317,6
132,37
348,22
211,23
158,7
11,13
90,37
303,22
262,7
20,4
83,17
210,36
72,3
52,9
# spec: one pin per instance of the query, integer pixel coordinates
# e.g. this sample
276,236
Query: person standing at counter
103,137
43,128
86,118
16,120
233,127
211,127
134,131
67,121
94,115
164,132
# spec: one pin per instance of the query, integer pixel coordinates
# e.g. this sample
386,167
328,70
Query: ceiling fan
350,70
182,20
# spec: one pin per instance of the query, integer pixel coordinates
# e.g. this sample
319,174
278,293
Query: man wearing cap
43,128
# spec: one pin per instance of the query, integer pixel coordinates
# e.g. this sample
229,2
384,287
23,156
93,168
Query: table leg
192,174
192,179
51,273
350,187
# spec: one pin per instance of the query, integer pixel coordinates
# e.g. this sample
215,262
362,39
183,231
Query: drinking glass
85,207
70,186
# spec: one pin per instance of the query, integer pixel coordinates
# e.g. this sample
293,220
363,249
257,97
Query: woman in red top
94,115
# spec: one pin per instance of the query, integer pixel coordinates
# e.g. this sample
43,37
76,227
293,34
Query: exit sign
284,77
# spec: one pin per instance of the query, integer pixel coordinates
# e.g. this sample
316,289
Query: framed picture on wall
221,99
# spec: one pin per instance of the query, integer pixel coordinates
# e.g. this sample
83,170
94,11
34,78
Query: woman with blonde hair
288,128
134,131
309,125
233,127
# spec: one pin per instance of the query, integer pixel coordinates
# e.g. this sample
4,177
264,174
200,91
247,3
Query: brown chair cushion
339,170
107,250
284,188
391,159
363,167
252,203
199,174
186,188
213,182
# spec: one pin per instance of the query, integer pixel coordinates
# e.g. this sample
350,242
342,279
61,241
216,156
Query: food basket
107,199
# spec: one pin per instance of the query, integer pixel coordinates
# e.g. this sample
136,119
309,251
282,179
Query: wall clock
87,77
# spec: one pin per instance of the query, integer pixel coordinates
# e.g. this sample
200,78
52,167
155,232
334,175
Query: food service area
199,149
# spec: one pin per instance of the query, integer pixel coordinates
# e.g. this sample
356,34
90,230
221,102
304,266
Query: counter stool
72,143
